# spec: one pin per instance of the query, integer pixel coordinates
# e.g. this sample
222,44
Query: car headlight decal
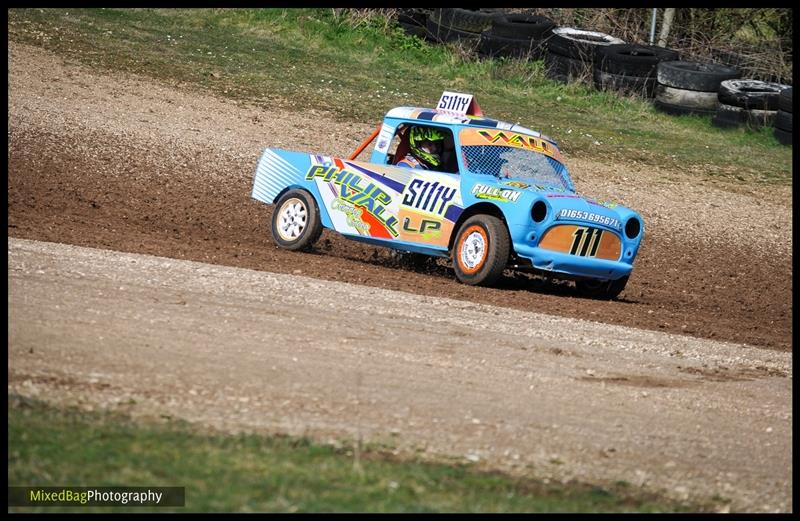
632,228
539,211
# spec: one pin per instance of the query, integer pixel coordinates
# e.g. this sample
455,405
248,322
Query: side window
399,144
449,161
399,148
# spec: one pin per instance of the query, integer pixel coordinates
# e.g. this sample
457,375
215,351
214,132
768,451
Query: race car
496,196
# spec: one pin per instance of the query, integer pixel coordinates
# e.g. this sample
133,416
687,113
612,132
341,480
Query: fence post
653,26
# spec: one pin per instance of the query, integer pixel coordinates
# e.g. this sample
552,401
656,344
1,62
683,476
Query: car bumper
573,265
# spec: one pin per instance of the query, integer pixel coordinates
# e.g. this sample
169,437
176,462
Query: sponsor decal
454,102
353,214
585,241
356,190
517,184
589,216
428,196
427,228
520,141
501,195
384,138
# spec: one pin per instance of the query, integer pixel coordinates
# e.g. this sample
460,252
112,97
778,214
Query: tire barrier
491,45
701,77
628,59
629,68
522,26
413,20
577,43
685,87
751,94
446,34
729,116
684,101
785,100
516,35
631,85
450,24
570,52
783,118
563,69
753,103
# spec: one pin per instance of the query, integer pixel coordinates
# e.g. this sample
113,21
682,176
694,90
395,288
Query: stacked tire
516,36
455,24
413,21
685,87
783,119
629,68
751,103
570,53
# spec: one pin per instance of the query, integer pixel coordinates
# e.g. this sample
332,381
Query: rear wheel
295,221
601,289
481,249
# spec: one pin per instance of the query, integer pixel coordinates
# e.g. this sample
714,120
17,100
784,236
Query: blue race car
449,182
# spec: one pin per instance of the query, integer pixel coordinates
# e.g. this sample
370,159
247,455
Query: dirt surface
120,163
557,398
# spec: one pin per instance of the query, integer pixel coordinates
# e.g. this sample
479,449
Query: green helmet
420,134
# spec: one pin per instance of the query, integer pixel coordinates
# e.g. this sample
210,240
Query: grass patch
358,68
54,447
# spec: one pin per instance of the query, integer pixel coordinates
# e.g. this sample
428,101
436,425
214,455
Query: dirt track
120,163
558,398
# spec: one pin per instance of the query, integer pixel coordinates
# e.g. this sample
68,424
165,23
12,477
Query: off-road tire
481,250
604,290
296,224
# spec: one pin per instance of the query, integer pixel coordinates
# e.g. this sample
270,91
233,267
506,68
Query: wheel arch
322,210
475,209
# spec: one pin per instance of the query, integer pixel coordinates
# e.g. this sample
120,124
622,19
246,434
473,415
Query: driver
425,148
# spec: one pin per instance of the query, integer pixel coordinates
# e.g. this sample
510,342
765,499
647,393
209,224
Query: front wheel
601,289
295,221
481,249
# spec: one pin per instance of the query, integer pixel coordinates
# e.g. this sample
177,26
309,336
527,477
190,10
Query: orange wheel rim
473,248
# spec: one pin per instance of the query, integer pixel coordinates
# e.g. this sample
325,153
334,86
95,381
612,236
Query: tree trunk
666,25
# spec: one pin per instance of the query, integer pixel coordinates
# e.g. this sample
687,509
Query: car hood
571,206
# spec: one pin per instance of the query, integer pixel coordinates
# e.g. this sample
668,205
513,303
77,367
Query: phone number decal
588,216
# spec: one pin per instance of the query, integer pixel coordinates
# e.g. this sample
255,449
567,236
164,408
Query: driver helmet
426,144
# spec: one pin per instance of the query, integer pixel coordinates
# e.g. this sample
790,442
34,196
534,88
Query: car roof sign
458,103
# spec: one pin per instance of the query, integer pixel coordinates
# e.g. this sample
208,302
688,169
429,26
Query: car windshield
506,162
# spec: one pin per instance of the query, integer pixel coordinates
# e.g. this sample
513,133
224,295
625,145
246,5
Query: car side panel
382,204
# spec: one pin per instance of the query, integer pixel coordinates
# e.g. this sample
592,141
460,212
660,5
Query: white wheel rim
292,219
473,250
